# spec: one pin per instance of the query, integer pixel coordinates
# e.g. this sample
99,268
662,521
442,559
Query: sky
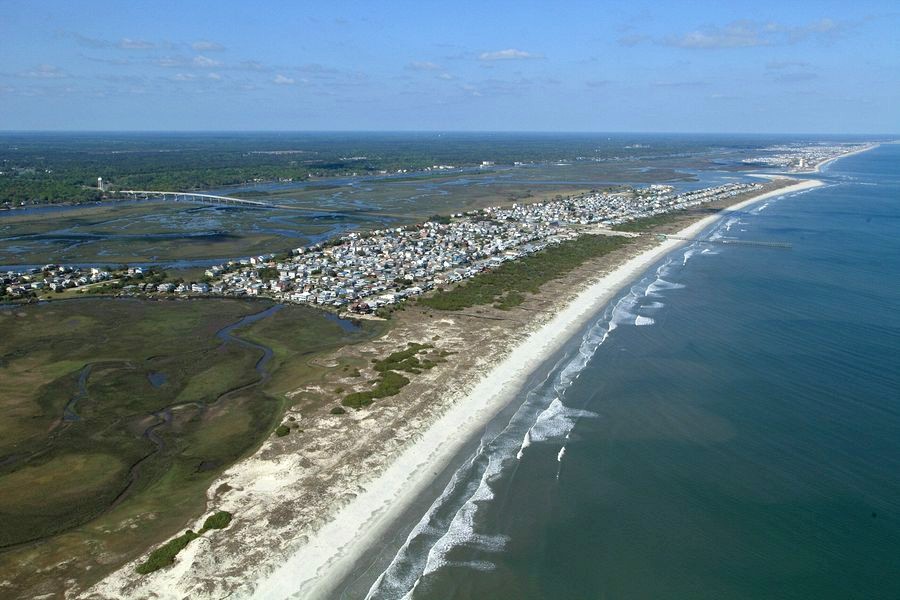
791,66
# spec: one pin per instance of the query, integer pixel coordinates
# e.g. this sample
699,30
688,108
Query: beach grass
506,285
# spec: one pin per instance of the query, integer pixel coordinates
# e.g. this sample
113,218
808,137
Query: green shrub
165,554
506,285
267,273
358,399
338,410
402,360
389,384
220,520
282,430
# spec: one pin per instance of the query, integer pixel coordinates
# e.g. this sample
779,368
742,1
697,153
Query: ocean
728,427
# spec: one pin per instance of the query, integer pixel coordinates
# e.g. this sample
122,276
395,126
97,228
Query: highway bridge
229,201
197,197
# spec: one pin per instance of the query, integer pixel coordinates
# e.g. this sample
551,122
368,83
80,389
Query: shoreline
331,552
818,168
313,510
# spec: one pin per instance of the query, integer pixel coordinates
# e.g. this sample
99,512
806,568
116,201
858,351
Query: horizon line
433,131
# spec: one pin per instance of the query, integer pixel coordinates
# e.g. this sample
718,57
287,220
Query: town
794,158
364,271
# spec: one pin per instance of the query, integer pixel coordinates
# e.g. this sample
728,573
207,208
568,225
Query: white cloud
746,33
423,66
508,54
205,62
207,46
251,65
131,44
282,80
45,72
777,65
470,89
168,61
446,76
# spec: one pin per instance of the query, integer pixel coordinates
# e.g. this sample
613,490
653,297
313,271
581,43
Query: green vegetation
90,484
219,520
282,430
267,273
298,334
95,373
405,360
338,410
505,286
165,554
389,383
64,168
648,223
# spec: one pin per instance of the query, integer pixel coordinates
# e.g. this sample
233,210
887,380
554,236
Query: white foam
687,255
661,285
525,443
641,321
462,528
556,421
562,452
333,548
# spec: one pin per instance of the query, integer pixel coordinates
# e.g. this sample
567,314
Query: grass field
505,286
127,463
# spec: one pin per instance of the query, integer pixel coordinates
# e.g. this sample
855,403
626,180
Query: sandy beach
333,549
818,167
308,514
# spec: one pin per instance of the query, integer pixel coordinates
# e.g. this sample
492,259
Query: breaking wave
450,527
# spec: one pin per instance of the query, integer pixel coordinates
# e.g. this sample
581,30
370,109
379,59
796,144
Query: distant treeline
43,167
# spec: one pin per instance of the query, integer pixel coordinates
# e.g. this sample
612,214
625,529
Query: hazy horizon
816,67
452,132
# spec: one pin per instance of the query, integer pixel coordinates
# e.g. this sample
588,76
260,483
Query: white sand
818,167
333,550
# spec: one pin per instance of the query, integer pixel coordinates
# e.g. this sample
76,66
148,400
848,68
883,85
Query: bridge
229,201
197,197
728,242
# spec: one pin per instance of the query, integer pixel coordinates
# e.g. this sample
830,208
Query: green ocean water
729,428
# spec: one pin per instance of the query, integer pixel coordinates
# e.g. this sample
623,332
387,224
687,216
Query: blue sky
786,66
